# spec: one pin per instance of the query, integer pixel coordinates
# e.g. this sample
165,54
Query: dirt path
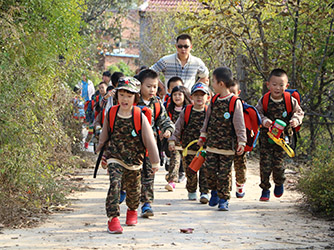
249,224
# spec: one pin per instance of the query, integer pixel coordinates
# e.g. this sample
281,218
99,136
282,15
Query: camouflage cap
130,84
200,87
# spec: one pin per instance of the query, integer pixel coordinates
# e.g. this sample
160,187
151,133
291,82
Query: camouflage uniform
130,149
220,135
240,168
190,133
272,155
175,156
132,186
164,123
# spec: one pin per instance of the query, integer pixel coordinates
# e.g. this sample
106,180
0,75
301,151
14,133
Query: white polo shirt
170,66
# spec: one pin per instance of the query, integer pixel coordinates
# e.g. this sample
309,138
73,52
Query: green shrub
35,115
121,67
317,182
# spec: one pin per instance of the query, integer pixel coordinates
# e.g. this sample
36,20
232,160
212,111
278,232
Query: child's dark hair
147,73
106,73
137,95
277,72
186,94
224,74
103,83
115,78
174,79
183,37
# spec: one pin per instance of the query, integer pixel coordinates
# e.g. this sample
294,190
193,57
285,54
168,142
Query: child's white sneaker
192,196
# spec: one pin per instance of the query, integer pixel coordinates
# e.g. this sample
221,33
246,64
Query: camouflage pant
132,183
174,166
192,177
240,168
219,173
147,183
271,161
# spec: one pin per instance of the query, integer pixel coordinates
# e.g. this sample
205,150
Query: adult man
182,64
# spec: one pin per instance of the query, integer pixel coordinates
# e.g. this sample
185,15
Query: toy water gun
199,158
274,134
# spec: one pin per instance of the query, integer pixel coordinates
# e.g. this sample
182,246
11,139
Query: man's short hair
115,78
147,73
184,37
277,72
174,79
224,74
106,73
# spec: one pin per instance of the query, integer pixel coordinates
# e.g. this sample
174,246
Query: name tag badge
227,115
285,114
133,133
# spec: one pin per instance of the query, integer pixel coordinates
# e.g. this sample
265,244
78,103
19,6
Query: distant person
182,64
187,129
109,97
106,77
180,97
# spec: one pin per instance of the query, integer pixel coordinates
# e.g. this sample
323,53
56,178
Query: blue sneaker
265,195
122,196
223,205
278,191
146,210
214,198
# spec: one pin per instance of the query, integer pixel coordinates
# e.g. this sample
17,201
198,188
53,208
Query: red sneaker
131,217
114,227
86,145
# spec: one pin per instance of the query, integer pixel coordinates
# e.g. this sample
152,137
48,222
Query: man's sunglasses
183,46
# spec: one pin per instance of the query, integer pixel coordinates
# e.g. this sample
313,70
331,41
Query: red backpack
287,101
252,120
136,117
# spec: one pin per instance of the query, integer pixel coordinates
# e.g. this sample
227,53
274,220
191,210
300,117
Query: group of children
138,124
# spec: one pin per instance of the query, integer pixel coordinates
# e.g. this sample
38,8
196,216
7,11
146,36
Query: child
240,161
100,106
109,100
125,153
172,82
186,132
149,84
218,131
179,99
78,104
272,155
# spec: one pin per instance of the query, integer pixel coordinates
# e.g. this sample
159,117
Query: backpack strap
214,98
136,118
102,119
170,115
288,102
265,101
112,117
147,112
232,103
157,110
187,112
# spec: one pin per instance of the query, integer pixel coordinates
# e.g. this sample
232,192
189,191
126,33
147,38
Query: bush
121,67
317,182
36,145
